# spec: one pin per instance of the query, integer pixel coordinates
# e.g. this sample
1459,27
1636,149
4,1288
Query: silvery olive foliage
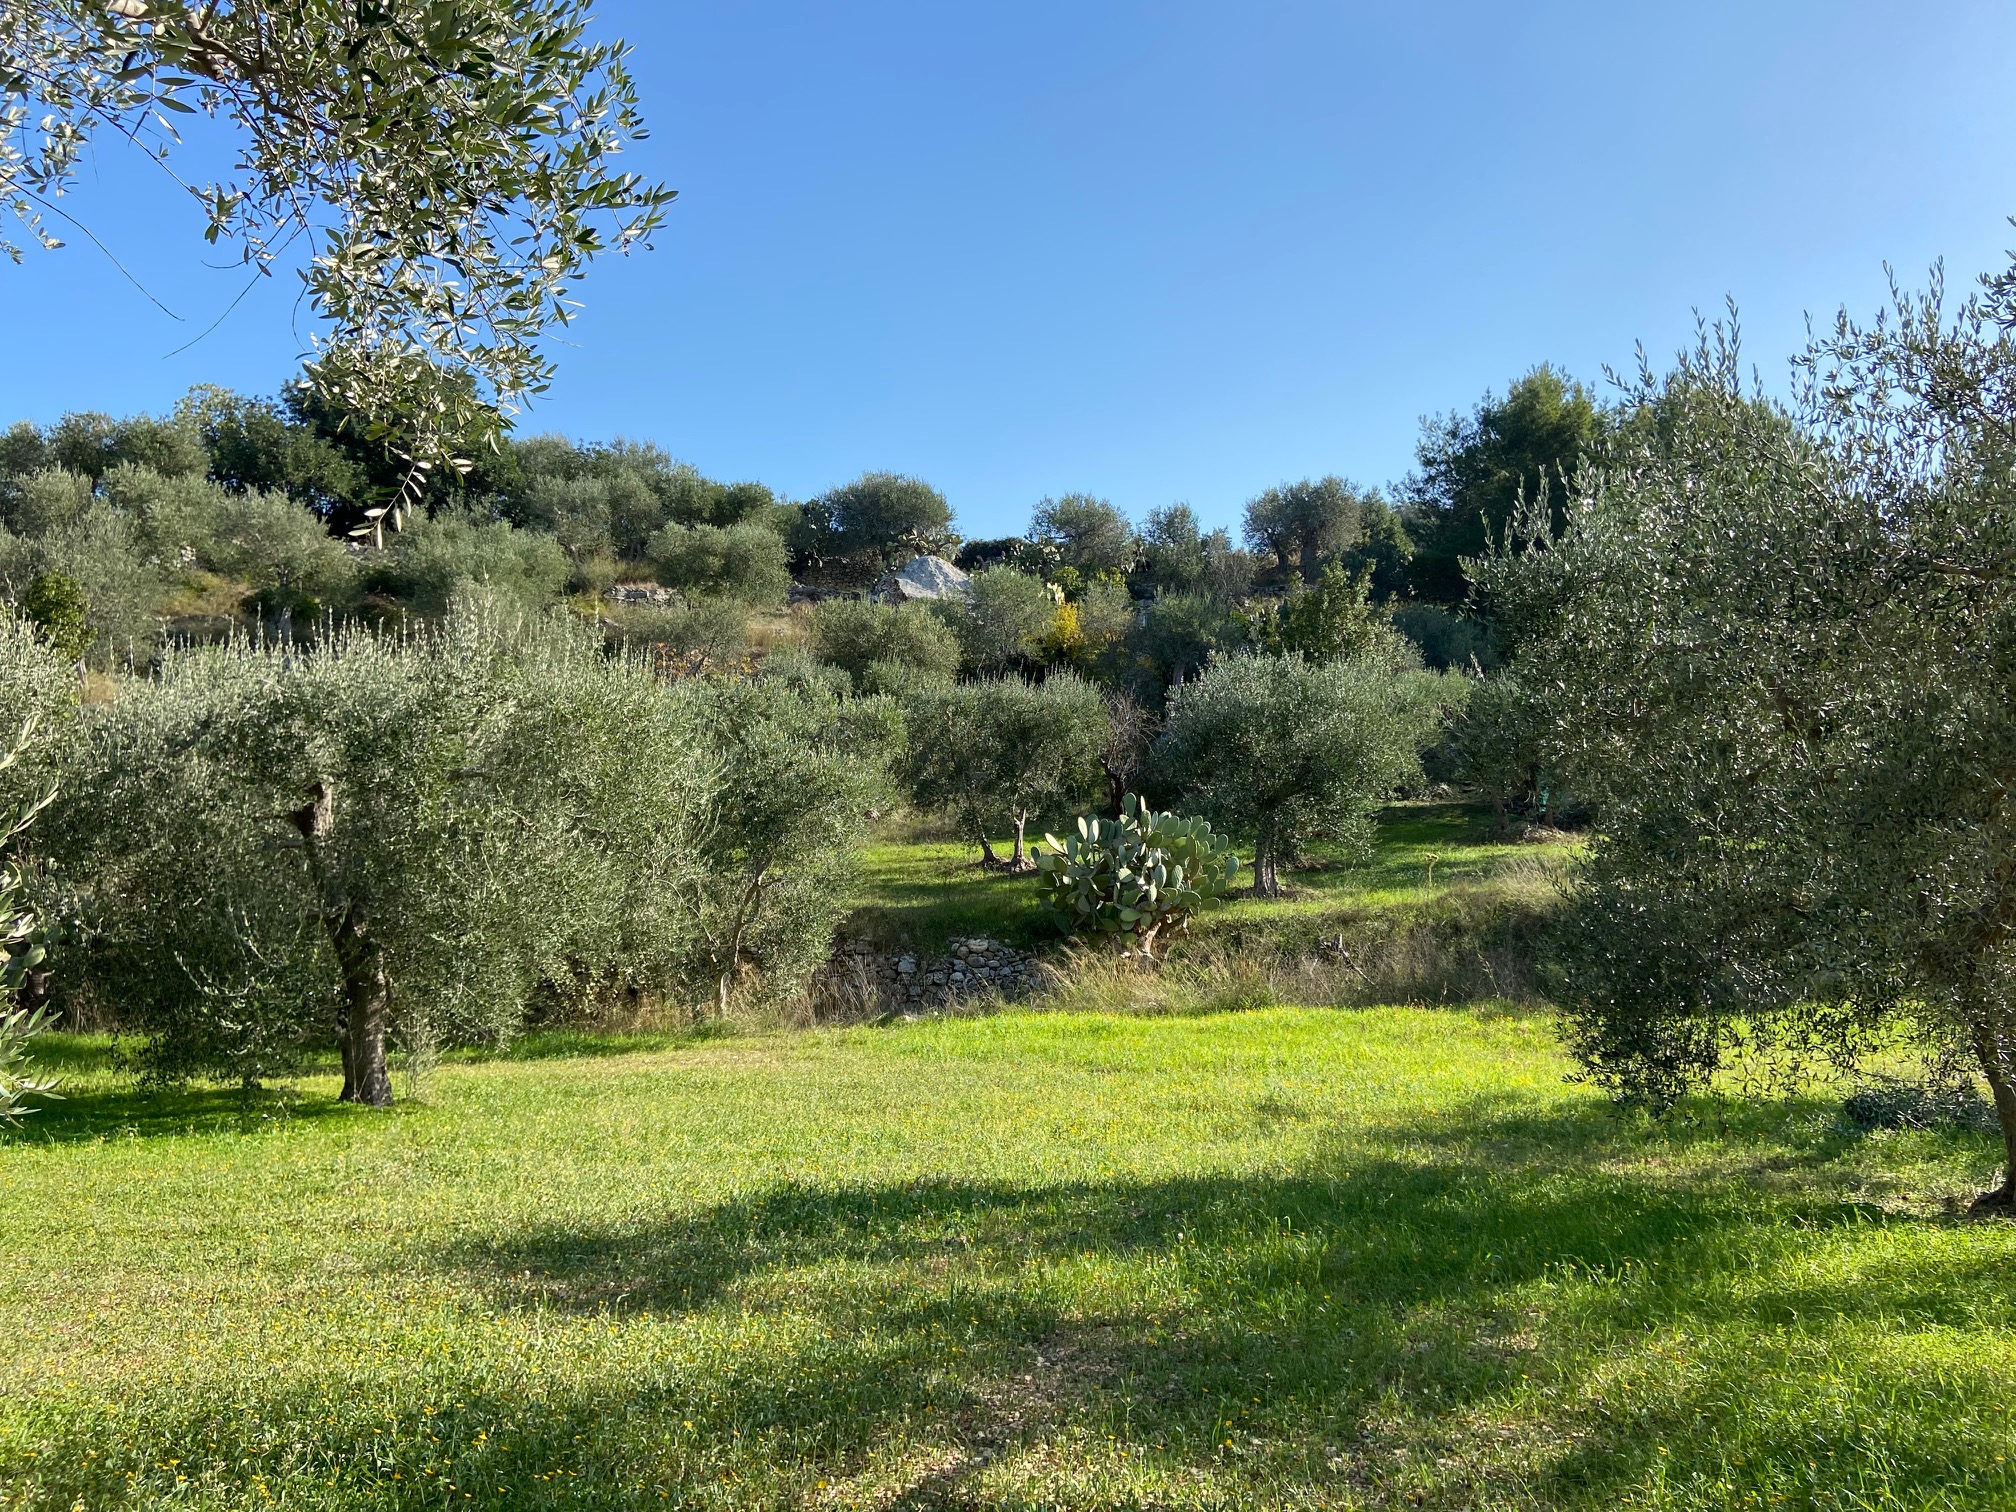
1141,876
997,753
803,767
22,950
449,168
395,838
1777,648
1282,750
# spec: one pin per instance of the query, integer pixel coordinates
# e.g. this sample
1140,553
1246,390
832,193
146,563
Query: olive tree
1777,649
998,753
803,767
384,836
37,700
873,642
1000,619
1281,750
745,562
452,162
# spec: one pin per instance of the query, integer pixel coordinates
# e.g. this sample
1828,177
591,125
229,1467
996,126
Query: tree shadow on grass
1361,1331
127,1111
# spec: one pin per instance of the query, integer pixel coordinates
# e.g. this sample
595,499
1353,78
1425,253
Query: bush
801,768
104,553
1501,740
1000,619
710,630
1447,641
267,541
427,563
888,645
55,604
743,561
1140,876
1283,750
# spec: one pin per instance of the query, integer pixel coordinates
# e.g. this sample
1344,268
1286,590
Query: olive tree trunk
1993,1050
367,992
1266,869
367,986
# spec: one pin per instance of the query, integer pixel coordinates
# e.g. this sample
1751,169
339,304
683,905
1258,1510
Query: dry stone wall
865,979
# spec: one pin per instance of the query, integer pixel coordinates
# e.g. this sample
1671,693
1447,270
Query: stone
924,577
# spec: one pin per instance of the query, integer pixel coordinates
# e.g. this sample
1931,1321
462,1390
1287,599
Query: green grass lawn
1282,1259
922,892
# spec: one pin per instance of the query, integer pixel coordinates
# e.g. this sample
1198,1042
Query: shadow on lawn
1361,1332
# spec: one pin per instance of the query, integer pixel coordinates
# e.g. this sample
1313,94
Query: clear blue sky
1163,251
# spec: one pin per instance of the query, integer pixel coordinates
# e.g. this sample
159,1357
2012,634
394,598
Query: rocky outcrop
641,593
924,577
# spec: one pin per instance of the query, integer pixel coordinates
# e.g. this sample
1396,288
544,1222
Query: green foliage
1471,472
428,563
878,521
21,947
1504,750
890,645
712,630
1140,876
743,561
1775,650
1447,641
1176,636
1000,619
1284,750
802,767
1333,618
268,542
452,162
997,753
258,446
56,606
401,835
1304,524
1087,535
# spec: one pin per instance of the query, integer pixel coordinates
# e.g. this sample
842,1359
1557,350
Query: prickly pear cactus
1140,876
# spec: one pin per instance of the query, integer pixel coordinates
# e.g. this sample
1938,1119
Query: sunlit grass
1281,1259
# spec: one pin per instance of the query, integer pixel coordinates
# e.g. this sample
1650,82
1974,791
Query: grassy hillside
1281,1259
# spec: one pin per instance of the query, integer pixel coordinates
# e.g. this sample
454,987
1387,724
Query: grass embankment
1288,1258
1442,911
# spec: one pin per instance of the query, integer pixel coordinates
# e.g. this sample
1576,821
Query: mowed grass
1279,1259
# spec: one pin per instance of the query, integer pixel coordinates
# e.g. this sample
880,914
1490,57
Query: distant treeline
275,510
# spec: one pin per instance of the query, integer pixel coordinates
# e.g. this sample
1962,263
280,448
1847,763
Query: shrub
1445,640
1283,750
55,604
1140,876
710,630
888,645
1501,745
745,561
124,585
429,561
1000,619
267,541
802,767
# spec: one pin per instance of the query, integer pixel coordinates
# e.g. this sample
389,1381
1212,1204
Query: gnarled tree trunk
367,992
1266,870
367,986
